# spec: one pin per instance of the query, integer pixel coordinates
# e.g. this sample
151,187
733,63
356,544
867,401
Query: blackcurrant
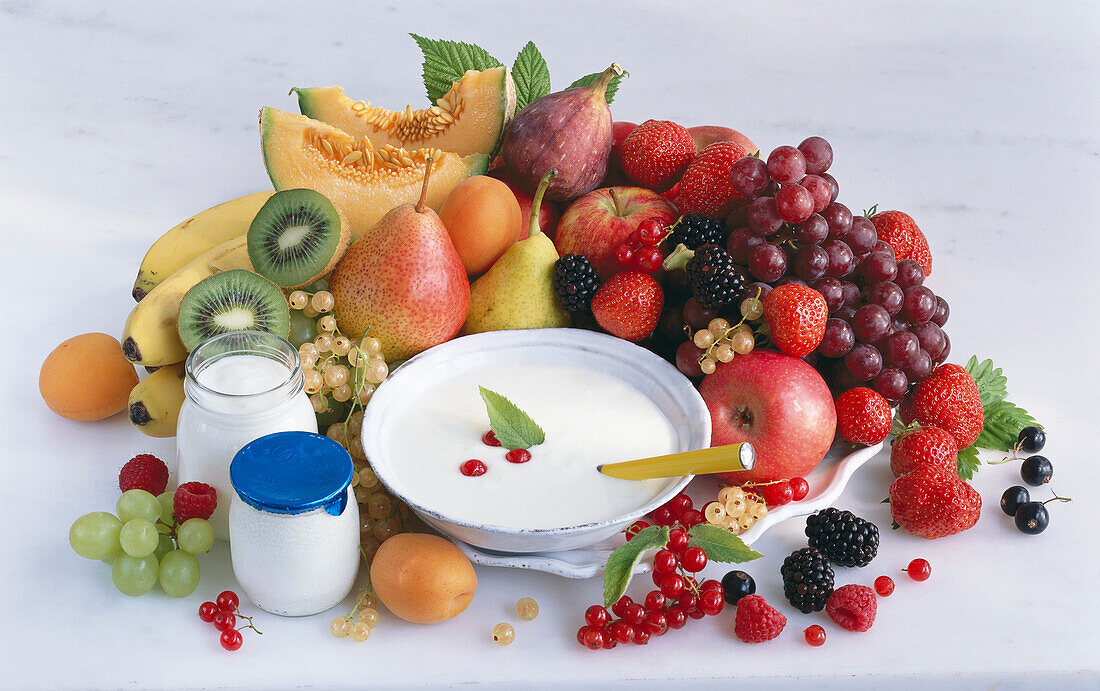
1036,470
1012,499
1032,518
736,585
1032,439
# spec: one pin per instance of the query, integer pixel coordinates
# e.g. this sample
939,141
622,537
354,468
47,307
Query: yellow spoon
716,459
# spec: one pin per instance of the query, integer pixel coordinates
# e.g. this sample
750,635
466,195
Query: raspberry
194,500
715,280
696,230
144,471
853,607
807,580
756,621
576,282
843,537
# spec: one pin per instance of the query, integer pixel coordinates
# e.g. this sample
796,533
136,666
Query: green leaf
531,75
621,562
514,428
967,462
612,87
1003,422
446,61
720,545
992,383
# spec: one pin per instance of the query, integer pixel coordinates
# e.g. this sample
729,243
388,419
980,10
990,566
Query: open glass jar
239,386
294,523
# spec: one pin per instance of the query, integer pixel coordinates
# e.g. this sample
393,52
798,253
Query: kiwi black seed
232,301
297,237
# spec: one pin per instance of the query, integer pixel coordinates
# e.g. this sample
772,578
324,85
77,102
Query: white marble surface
978,118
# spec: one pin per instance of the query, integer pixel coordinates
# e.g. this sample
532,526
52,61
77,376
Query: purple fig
569,130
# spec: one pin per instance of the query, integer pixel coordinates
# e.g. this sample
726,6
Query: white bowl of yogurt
598,398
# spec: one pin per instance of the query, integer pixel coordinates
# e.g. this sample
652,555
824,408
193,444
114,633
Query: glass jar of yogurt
239,386
294,523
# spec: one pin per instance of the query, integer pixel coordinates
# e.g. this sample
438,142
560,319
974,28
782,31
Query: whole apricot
422,578
87,378
482,217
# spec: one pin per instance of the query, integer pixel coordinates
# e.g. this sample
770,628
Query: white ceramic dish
669,390
827,483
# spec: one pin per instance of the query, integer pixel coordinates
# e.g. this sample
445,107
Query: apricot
422,578
87,378
482,217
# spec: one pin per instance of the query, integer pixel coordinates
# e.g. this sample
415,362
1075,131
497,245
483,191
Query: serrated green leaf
531,75
967,463
612,87
1003,422
514,428
720,545
991,381
621,562
446,61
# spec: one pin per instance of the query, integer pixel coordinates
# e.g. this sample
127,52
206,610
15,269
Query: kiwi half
232,301
297,237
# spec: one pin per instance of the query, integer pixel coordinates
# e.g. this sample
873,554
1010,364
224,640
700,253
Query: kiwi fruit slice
232,301
297,237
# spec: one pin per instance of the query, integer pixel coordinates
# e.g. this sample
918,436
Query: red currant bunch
641,249
223,614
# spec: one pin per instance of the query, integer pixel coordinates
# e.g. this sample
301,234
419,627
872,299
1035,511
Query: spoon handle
716,459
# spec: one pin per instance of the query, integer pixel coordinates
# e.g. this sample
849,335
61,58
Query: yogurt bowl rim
582,339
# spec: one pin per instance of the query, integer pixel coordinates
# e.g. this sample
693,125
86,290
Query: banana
151,336
156,400
194,236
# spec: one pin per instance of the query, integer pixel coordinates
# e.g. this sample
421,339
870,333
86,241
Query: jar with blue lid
294,523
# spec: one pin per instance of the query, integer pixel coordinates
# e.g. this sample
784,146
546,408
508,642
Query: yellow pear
518,290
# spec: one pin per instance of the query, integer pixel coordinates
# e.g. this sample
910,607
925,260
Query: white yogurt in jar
589,418
233,397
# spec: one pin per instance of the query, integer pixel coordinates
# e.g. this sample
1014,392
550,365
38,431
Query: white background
980,119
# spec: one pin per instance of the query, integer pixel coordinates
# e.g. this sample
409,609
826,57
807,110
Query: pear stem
536,203
423,202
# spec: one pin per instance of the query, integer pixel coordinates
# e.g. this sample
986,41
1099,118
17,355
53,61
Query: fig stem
600,85
536,203
423,202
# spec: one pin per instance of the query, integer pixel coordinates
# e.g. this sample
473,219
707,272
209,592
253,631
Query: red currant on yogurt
518,456
490,439
472,468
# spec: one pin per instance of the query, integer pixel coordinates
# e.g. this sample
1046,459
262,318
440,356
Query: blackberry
715,280
843,537
696,230
807,580
575,282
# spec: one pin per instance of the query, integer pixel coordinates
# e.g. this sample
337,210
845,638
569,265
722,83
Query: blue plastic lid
292,472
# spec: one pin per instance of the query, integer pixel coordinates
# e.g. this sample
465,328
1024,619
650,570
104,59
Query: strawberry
796,316
756,621
194,500
923,446
705,186
657,153
629,305
863,416
144,471
900,231
931,503
947,399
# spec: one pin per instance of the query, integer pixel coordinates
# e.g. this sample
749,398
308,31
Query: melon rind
488,98
362,194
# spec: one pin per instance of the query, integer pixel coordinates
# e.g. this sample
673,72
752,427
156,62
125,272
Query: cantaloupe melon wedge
362,180
468,119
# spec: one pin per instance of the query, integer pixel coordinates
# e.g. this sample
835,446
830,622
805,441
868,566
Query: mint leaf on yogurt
514,428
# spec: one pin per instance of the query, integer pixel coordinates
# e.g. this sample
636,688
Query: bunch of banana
194,236
156,401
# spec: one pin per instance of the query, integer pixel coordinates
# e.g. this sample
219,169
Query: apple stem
615,199
536,203
423,202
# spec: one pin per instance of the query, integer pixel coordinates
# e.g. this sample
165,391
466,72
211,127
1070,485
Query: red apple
778,403
705,135
615,176
548,211
596,223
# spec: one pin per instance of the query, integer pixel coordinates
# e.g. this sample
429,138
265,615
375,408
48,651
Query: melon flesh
362,180
468,119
